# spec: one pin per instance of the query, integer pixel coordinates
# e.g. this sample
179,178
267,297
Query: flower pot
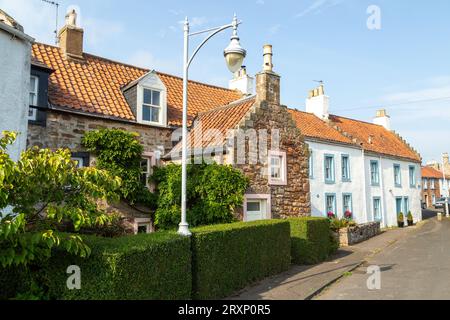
401,224
410,223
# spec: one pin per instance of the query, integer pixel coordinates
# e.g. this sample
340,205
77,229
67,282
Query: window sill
375,185
346,180
152,124
277,183
330,182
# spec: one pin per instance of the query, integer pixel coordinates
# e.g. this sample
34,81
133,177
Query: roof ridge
141,68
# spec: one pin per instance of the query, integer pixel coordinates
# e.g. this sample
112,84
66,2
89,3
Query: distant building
432,185
15,96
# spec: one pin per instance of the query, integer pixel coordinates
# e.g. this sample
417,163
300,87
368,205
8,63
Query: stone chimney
445,159
318,103
267,81
242,82
382,119
71,37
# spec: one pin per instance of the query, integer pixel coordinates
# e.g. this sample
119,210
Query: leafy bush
145,266
229,257
213,192
311,240
336,224
46,189
120,153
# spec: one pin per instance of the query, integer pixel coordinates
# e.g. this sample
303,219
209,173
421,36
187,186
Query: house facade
433,186
15,95
358,167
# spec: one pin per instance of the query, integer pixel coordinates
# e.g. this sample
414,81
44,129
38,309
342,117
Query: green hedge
311,240
229,257
146,266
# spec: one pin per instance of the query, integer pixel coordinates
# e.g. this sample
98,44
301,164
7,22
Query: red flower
348,214
330,215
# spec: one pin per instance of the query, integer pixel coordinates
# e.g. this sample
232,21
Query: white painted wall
14,88
360,185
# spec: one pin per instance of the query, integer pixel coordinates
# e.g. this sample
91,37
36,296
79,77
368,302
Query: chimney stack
382,119
71,37
445,159
267,81
318,103
242,82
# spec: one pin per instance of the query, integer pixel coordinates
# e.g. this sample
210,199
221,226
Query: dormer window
151,106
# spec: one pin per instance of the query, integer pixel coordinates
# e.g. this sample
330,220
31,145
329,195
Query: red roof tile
429,172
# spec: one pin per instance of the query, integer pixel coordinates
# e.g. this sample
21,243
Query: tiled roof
313,127
376,138
429,172
373,137
94,86
218,120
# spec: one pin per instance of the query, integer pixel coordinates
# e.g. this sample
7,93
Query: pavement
306,282
416,267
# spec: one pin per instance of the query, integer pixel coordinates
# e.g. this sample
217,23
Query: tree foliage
213,192
42,191
120,153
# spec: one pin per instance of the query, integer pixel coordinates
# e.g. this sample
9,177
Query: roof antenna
56,4
319,81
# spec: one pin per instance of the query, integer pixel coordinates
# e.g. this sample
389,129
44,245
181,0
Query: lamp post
234,56
445,188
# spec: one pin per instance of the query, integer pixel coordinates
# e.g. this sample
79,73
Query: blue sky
408,60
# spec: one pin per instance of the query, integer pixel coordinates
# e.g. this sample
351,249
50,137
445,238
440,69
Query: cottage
433,186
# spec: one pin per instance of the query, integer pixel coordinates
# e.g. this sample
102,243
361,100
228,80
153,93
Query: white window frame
80,161
138,222
151,162
32,112
162,107
258,197
282,181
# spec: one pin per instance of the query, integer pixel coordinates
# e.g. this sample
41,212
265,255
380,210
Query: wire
395,104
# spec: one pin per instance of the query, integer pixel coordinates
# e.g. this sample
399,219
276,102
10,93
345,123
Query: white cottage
360,167
15,65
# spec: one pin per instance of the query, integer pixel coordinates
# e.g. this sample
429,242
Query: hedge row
229,257
214,263
311,240
147,266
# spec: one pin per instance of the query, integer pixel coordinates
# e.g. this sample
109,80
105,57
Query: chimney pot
71,37
267,81
318,103
268,65
383,119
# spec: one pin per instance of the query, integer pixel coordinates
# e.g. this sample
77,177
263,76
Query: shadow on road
429,214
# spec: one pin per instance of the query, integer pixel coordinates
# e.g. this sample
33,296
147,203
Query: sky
403,65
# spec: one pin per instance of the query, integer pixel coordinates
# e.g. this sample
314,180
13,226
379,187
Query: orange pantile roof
370,136
376,138
430,172
219,120
313,127
94,86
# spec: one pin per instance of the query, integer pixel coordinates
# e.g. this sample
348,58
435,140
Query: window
146,171
81,158
347,203
425,183
330,204
142,225
406,205
377,209
151,106
397,175
311,164
329,169
432,184
277,168
374,173
412,176
33,97
433,198
256,207
345,168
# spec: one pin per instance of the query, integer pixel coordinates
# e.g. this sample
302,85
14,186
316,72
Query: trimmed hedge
226,258
311,240
146,266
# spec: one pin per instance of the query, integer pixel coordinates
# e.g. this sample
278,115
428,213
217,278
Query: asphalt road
416,267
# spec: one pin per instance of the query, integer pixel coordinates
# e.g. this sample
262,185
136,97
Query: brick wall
427,193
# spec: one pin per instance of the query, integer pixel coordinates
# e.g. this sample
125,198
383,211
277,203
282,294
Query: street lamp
234,56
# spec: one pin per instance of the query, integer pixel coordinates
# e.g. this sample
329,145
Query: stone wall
65,130
353,235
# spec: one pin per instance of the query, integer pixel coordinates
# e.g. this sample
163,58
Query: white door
256,209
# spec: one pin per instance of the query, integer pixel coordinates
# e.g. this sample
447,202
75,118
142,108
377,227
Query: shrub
120,153
409,217
145,266
229,257
213,192
311,240
336,224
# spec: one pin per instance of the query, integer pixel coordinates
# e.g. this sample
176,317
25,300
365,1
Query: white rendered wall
14,85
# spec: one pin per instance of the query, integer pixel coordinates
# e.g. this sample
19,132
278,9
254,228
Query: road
416,267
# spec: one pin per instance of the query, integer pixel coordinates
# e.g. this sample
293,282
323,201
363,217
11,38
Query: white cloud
195,21
318,6
99,31
274,29
260,2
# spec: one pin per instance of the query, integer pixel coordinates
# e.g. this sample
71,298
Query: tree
42,191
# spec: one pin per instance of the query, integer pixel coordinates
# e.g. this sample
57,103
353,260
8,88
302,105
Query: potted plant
410,219
331,215
401,220
348,215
